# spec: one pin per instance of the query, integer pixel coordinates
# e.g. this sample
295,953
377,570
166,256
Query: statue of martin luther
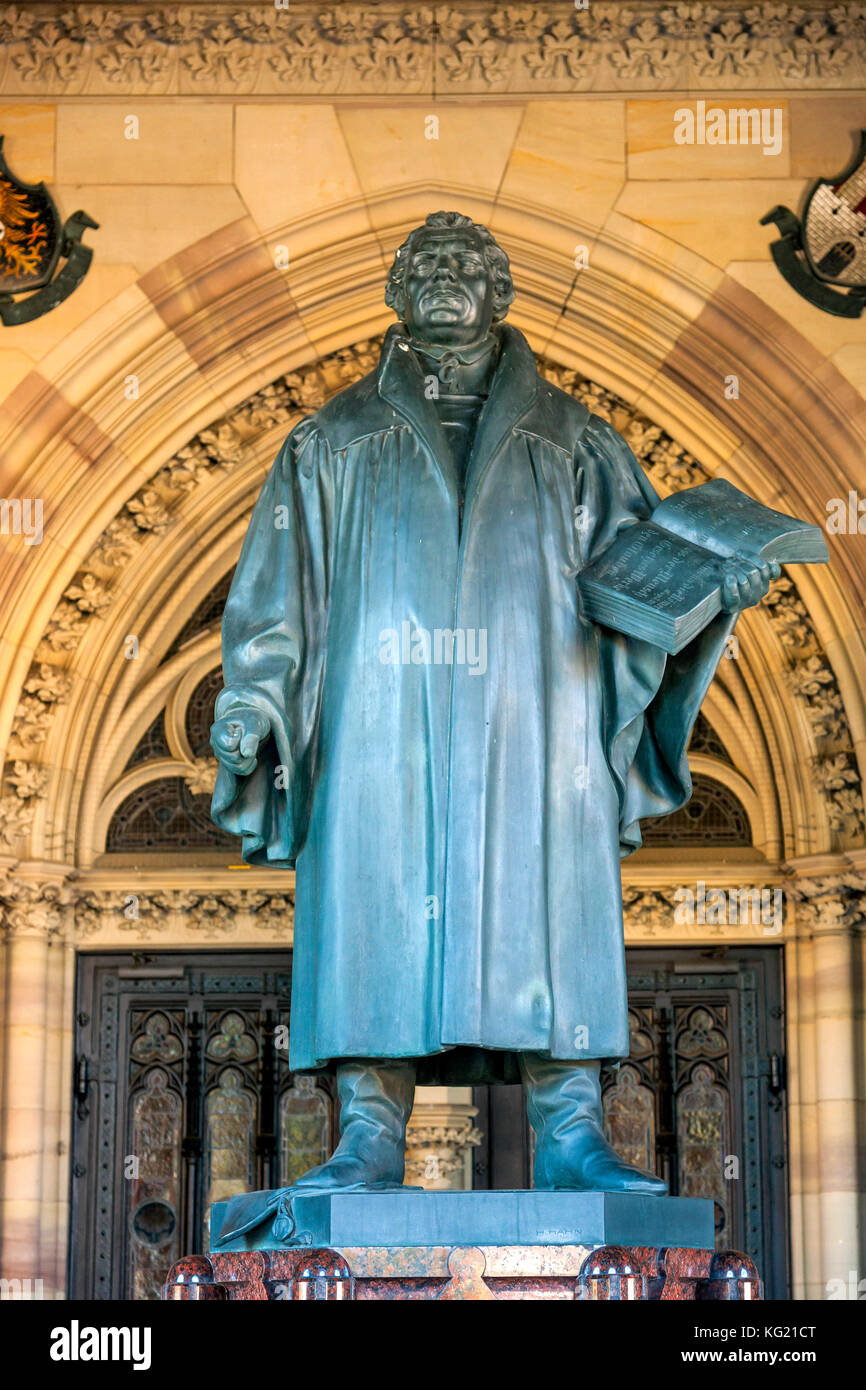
456,823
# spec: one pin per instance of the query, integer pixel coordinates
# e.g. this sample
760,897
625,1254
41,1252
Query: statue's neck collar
467,354
461,369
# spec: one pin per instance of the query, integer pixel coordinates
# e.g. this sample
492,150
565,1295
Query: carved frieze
34,907
25,783
381,47
698,910
830,903
812,681
210,915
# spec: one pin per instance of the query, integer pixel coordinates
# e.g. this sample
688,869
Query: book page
649,565
721,518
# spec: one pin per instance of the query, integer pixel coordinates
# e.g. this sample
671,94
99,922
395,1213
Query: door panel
700,1099
183,1097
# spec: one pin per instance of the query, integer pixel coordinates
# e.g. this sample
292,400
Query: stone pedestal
570,1273
402,1218
578,1246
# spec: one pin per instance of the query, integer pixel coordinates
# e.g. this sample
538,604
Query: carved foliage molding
220,447
437,1140
49,908
344,48
731,914
210,915
831,903
31,907
827,903
812,682
25,783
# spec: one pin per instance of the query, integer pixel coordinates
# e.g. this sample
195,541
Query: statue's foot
563,1101
355,1170
587,1163
375,1105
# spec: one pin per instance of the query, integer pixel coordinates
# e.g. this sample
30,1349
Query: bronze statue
420,716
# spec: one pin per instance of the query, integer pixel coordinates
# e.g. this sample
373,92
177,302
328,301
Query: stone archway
219,319
212,479
217,335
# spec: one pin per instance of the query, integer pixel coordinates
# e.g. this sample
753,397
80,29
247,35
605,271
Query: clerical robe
456,824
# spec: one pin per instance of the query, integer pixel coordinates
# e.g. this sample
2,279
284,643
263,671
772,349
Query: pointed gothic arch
148,507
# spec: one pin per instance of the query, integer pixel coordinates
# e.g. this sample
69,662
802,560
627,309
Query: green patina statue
420,718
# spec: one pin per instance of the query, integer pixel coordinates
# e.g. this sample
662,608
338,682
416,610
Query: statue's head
450,281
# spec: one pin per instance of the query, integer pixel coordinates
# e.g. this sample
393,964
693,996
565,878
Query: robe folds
456,825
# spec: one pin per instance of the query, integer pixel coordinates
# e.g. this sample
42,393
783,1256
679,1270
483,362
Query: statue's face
448,288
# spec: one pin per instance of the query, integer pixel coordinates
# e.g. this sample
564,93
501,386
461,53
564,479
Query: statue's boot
563,1102
375,1105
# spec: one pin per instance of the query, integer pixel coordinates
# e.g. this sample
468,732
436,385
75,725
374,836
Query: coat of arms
827,247
32,244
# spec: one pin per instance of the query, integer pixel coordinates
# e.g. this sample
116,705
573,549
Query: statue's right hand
237,737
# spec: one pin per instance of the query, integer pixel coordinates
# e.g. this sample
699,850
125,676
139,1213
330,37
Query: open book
661,580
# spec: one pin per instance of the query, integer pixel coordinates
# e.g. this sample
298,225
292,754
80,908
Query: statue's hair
503,286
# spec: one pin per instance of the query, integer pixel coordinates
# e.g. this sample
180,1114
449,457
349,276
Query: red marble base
573,1272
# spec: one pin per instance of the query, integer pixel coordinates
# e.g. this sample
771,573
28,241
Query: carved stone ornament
701,910
298,48
830,903
211,916
34,907
438,1138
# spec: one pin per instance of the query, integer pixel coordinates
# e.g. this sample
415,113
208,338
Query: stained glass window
713,816
305,1128
152,744
704,739
702,1139
156,1041
229,1133
231,1041
629,1118
200,712
152,1171
165,815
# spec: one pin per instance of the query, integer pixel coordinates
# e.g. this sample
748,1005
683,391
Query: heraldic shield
834,225
31,232
828,247
32,243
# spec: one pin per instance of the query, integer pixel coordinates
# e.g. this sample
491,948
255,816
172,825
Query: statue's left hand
746,582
